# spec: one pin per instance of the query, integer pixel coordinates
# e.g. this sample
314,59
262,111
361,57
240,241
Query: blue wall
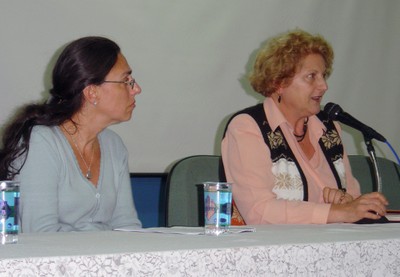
149,195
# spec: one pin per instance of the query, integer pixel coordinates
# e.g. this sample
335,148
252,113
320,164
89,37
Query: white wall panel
190,57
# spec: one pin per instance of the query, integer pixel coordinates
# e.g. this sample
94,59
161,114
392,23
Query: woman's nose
136,89
323,84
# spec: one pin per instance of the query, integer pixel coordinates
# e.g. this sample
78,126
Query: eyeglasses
130,83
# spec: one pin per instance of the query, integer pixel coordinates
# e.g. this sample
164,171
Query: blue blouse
56,197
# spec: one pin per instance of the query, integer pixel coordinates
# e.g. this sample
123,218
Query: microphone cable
393,151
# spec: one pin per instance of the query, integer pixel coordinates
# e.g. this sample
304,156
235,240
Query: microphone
335,112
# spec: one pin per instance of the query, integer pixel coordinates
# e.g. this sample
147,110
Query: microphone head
333,110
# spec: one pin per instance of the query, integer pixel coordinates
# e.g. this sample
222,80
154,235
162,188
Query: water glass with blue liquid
9,204
217,207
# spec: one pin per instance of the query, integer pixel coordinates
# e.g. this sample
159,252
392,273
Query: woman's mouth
317,98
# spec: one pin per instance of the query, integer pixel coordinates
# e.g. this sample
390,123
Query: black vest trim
331,154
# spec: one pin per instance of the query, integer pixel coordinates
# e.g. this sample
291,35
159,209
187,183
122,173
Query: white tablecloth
276,250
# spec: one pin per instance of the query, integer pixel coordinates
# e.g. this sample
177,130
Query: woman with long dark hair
73,171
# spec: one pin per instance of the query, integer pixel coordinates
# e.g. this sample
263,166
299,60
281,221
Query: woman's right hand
371,205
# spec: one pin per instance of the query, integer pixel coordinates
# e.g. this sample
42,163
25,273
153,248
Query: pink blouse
248,166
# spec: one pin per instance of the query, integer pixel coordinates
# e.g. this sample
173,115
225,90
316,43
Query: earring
279,99
95,103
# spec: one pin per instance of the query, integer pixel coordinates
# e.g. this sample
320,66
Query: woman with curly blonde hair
284,156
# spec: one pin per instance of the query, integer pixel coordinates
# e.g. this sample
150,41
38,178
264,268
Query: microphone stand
371,152
378,180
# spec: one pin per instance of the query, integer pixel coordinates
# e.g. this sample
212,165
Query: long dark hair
83,62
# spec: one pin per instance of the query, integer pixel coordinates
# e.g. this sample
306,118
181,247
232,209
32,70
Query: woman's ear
91,95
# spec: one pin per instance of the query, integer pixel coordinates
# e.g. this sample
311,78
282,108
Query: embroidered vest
290,181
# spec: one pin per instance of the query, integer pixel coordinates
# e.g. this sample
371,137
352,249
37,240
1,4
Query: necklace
88,174
305,127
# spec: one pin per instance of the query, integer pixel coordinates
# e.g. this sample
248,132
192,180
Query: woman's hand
371,205
336,196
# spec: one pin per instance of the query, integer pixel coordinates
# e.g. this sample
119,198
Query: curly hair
278,61
83,62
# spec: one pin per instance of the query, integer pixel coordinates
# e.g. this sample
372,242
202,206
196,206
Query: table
273,250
